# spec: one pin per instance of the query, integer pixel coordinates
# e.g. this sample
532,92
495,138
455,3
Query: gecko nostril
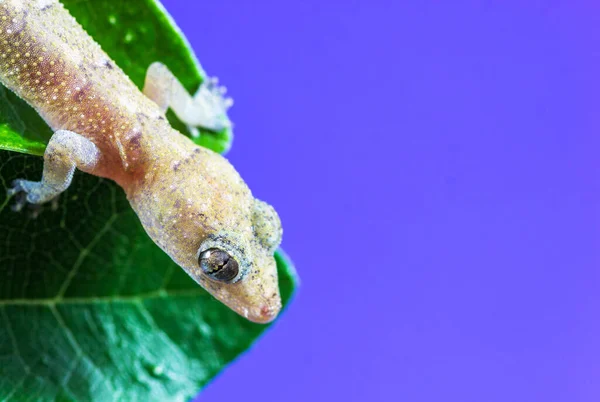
265,310
269,311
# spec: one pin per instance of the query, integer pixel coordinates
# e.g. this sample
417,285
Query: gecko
190,200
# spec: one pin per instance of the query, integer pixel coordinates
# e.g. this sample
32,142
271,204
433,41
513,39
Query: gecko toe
35,210
15,189
54,204
20,201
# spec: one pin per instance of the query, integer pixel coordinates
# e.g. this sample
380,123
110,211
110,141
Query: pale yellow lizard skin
190,200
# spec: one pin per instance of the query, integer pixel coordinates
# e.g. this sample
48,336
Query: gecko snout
256,299
267,311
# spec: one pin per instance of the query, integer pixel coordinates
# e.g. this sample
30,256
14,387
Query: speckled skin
188,198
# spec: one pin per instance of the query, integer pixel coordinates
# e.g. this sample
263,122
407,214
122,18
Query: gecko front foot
65,152
211,100
19,191
31,193
206,109
19,196
214,95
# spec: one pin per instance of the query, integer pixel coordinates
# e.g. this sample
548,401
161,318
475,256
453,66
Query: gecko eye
218,265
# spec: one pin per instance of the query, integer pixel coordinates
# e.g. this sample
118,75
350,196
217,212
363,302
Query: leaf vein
13,340
73,340
82,255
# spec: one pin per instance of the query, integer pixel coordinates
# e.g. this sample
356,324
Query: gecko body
190,200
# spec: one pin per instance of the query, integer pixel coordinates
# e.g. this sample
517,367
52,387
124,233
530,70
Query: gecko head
239,268
202,214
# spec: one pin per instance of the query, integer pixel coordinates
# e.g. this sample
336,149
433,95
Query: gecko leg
207,108
65,152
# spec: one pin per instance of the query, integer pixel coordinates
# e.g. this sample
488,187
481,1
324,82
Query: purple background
435,165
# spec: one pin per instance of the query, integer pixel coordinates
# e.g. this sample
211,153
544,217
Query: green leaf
90,308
